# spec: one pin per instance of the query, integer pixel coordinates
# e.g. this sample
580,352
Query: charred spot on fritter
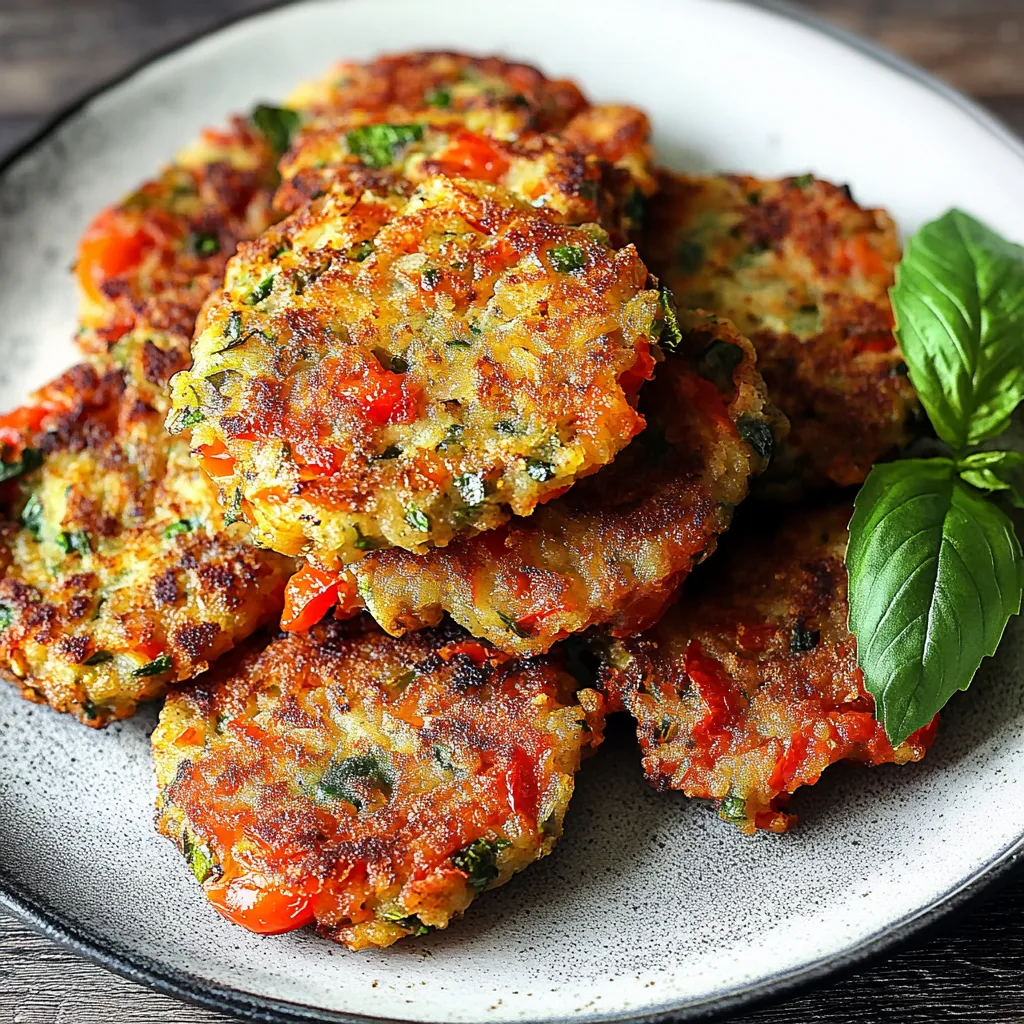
804,272
370,785
475,359
749,687
615,549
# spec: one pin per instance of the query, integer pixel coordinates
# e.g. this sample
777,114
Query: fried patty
120,571
749,687
153,258
373,786
804,272
615,550
379,371
596,170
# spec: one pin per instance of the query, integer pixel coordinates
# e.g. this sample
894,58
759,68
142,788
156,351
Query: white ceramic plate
651,906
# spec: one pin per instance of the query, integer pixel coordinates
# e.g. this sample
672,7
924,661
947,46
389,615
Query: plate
651,906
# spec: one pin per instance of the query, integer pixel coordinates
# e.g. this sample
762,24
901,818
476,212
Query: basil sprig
935,567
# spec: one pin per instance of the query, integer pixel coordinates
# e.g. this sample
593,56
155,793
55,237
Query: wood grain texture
972,970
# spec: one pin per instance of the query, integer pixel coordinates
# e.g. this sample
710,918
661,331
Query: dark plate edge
189,988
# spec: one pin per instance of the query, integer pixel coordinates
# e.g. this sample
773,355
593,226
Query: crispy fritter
120,572
749,687
804,272
597,170
616,548
372,785
486,91
153,258
380,371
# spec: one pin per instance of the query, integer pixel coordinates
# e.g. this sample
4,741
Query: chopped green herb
6,616
507,427
155,667
32,515
470,487
733,808
360,251
220,379
665,730
187,417
689,256
203,243
443,756
512,626
233,513
99,658
430,278
671,335
802,180
452,437
181,526
364,543
459,342
403,920
479,861
757,435
261,291
802,640
278,125
391,452
233,328
200,860
369,769
31,458
377,145
567,259
417,520
438,98
539,470
74,542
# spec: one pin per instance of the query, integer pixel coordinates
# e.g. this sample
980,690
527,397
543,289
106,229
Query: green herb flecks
479,861
438,98
277,124
378,145
567,259
356,780
471,488
200,859
233,512
802,180
364,543
32,515
360,251
99,658
417,520
261,291
203,243
734,809
6,616
671,337
512,626
179,527
158,666
539,470
410,922
802,640
11,469
185,418
757,435
74,542
430,278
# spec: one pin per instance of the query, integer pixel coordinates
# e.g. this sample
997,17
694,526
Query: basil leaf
277,124
959,305
567,259
994,471
935,572
479,861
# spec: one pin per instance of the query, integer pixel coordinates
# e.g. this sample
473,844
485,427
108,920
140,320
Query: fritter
120,572
598,169
749,687
615,550
804,272
373,786
487,91
380,371
153,258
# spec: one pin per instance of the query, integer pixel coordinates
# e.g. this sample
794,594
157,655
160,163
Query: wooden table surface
972,969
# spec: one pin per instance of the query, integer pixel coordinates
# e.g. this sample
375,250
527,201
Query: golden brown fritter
749,687
373,786
153,258
804,272
120,572
616,548
380,371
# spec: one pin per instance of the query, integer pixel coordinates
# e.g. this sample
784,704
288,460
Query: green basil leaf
995,471
377,145
567,259
935,572
959,305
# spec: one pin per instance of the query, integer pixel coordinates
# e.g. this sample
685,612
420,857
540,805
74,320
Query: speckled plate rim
51,921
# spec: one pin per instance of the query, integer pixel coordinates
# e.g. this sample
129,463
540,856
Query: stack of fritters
449,354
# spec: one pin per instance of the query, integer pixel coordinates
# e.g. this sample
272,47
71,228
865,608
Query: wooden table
972,970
